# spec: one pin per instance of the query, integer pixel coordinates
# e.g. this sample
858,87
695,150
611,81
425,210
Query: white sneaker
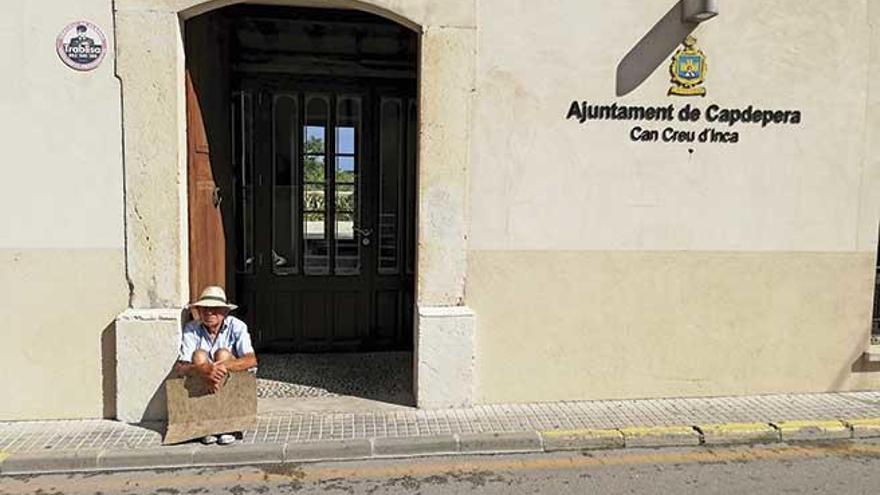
209,439
226,439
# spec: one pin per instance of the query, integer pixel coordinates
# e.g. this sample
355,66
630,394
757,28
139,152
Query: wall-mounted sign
688,70
726,122
81,45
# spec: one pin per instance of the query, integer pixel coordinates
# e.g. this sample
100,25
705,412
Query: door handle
216,197
277,259
365,235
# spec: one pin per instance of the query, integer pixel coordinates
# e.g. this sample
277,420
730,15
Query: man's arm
245,362
190,369
243,348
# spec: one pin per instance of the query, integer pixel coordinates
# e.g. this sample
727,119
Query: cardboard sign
194,412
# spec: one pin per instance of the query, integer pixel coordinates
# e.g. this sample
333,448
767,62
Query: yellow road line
310,473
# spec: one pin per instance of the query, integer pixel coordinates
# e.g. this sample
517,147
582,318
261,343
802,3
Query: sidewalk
304,435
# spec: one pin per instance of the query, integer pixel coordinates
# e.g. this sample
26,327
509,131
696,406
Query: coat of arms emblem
688,70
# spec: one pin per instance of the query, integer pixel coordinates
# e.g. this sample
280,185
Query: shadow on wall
862,365
156,411
653,49
108,369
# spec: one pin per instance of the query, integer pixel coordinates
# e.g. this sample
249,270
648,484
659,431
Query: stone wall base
147,343
444,370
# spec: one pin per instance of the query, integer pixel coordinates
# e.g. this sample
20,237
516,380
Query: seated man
214,345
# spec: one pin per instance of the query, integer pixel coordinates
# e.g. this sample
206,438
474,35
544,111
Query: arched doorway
150,65
302,127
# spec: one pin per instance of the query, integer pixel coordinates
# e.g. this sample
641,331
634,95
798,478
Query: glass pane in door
412,123
316,256
242,125
285,192
348,234
390,168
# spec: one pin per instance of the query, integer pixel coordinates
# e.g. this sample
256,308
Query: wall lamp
697,11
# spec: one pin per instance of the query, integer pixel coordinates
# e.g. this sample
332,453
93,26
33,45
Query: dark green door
325,211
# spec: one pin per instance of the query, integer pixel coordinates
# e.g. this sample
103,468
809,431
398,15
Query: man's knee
222,355
200,357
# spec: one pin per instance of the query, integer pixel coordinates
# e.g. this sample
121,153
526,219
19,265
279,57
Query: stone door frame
150,67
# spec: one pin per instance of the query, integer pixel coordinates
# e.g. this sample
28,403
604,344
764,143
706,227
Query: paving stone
660,436
383,376
50,462
499,442
148,458
585,439
805,430
239,453
864,427
738,433
392,446
328,450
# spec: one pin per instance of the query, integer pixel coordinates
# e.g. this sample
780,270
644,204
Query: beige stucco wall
596,267
62,273
600,267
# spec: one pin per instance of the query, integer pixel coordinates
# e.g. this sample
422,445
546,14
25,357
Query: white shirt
233,335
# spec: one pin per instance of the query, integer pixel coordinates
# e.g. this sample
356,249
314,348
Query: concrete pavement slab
394,446
476,443
239,453
738,433
328,450
50,462
148,458
660,436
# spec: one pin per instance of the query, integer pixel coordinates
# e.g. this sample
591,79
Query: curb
864,427
661,436
556,440
811,430
739,433
195,455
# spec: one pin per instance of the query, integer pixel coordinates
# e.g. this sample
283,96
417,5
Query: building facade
545,201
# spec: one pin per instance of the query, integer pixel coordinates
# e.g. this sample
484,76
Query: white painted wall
540,182
60,132
62,273
605,268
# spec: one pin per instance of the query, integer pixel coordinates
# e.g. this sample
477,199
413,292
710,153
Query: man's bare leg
222,355
200,357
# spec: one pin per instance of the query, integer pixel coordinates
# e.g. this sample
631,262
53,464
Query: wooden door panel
349,316
315,316
207,239
207,134
387,307
284,308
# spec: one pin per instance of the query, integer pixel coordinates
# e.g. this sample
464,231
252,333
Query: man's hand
212,373
216,376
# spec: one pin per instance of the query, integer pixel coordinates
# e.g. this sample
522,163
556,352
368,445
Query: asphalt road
833,468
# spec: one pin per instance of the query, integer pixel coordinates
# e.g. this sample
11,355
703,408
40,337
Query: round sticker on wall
81,45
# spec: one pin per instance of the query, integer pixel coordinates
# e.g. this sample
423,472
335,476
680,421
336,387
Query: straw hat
212,297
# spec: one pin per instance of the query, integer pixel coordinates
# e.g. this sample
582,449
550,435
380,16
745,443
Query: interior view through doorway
302,133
